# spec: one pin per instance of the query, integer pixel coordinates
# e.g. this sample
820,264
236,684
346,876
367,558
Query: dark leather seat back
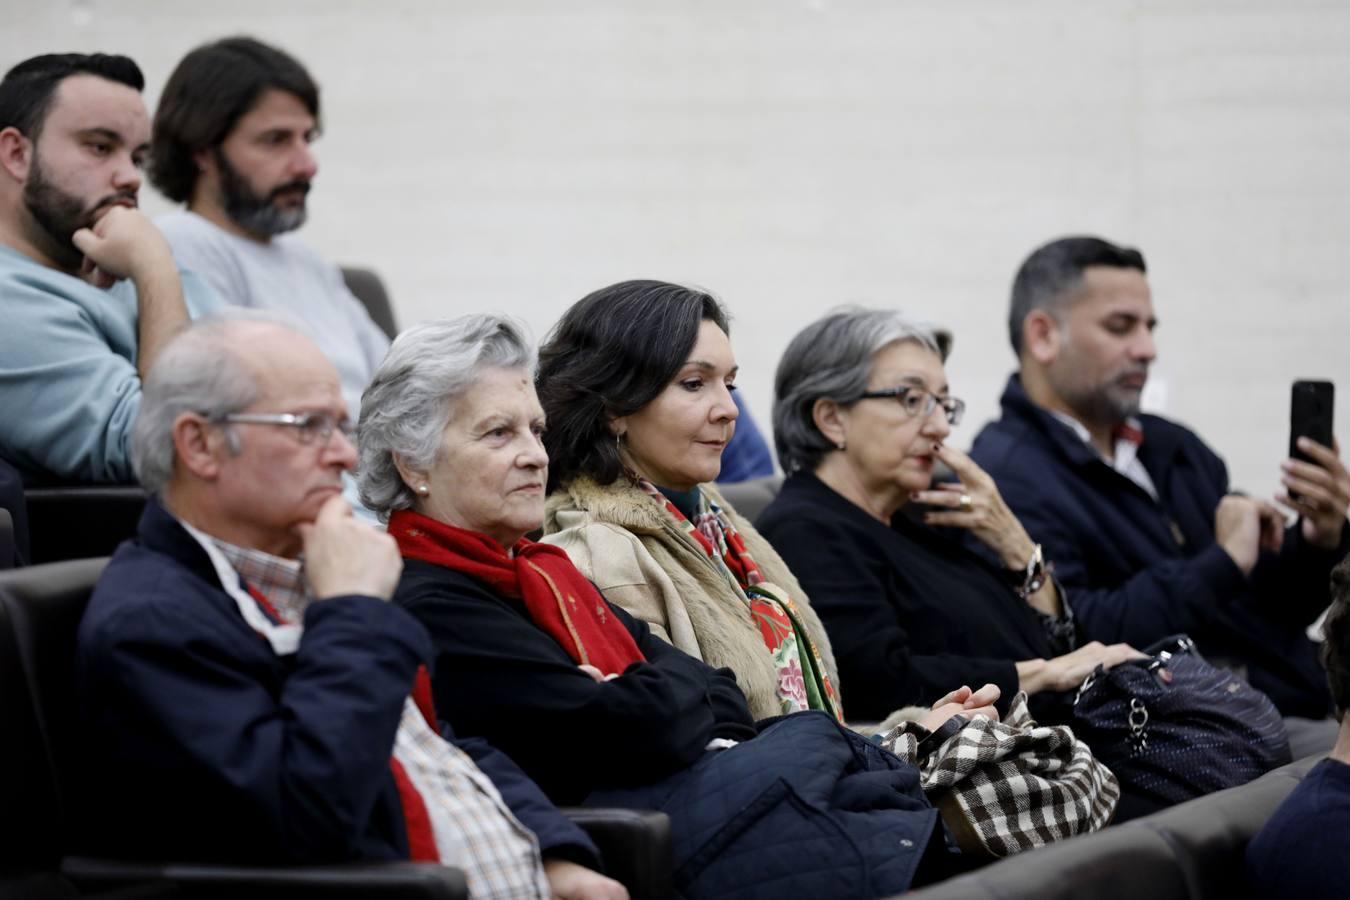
14,513
40,612
369,289
81,521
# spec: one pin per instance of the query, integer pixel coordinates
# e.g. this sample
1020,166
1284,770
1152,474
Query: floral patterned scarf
803,682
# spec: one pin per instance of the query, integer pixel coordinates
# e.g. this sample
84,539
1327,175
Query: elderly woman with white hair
593,706
862,411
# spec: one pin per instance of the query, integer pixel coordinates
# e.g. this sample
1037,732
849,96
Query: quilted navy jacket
806,809
1137,569
204,745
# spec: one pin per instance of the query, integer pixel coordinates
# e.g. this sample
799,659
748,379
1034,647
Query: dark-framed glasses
309,427
918,402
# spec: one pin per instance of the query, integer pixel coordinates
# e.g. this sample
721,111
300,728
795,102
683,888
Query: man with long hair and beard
232,141
89,291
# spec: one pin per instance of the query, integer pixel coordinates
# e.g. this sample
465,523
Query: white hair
407,406
198,371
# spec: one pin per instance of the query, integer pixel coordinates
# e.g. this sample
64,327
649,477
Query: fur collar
621,503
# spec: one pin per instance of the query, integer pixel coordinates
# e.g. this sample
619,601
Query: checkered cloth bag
1004,787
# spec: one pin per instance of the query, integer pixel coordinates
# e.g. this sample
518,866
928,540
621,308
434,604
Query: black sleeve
731,711
500,677
1295,584
1170,596
880,669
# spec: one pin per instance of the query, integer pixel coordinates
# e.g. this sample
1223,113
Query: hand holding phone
1315,478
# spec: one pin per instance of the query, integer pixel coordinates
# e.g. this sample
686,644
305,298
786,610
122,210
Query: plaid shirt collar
280,580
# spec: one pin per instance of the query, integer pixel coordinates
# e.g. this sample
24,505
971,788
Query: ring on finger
965,503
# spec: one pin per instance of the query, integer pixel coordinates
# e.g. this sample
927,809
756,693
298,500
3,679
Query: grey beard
253,212
1107,405
266,220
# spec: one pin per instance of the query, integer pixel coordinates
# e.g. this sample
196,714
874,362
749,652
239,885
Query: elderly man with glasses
252,694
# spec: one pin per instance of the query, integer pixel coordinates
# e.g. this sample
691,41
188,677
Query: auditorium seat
13,518
369,289
80,521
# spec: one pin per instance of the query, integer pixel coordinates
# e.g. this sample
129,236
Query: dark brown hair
207,94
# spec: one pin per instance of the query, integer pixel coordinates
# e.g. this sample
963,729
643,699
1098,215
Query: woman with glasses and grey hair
862,411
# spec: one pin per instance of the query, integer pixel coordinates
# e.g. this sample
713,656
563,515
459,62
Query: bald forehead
280,359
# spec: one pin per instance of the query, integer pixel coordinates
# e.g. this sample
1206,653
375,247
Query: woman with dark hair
592,706
861,413
636,381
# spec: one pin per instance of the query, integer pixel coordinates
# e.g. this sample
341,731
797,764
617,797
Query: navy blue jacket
1139,569
204,745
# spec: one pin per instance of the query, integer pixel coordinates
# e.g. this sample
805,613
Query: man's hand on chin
344,555
123,243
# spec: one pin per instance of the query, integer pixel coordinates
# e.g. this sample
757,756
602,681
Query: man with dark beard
1134,509
89,292
232,139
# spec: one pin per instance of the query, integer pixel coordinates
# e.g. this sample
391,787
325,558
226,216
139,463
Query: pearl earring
423,489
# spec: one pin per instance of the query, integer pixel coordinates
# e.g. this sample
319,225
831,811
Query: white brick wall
515,154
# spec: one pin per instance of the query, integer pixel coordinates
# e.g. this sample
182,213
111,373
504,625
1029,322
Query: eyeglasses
918,402
308,426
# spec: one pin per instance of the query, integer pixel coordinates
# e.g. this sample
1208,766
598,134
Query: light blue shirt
69,389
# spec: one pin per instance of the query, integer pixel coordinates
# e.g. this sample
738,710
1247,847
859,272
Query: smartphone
1310,407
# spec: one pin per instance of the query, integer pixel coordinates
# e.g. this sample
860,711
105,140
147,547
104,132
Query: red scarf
558,598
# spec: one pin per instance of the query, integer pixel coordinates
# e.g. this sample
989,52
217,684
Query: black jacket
911,614
497,674
1140,569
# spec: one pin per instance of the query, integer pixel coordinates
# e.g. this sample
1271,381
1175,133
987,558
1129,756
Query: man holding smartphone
1135,510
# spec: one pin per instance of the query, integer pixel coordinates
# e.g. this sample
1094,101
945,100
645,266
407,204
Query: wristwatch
1027,581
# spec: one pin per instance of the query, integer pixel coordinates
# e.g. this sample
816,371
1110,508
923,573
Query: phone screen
1310,410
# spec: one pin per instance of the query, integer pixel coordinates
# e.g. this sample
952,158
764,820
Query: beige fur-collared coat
640,559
